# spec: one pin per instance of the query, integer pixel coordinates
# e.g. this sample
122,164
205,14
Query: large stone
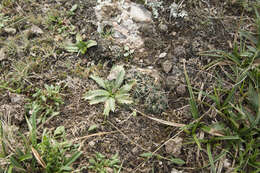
140,14
126,20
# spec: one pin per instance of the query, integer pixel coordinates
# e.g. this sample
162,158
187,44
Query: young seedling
80,45
111,92
102,164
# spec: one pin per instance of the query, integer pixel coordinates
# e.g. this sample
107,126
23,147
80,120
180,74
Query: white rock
140,14
125,22
175,11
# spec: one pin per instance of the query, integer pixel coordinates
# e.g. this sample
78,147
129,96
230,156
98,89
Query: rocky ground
155,41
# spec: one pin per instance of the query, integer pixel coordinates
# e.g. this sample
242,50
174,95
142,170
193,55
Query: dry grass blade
38,158
96,134
160,121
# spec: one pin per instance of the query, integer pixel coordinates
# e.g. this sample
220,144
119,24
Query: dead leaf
38,158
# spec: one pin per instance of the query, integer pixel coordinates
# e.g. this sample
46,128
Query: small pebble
181,89
163,27
167,66
91,143
174,146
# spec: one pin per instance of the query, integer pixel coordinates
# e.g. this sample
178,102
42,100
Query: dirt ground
168,43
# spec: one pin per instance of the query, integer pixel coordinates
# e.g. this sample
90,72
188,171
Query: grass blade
73,158
10,169
194,109
177,161
218,157
16,163
197,141
213,169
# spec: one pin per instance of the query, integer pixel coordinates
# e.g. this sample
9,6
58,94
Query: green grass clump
246,5
235,129
45,153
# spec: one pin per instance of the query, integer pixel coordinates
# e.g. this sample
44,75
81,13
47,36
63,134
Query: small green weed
19,78
148,93
20,74
48,100
106,31
8,3
58,22
102,165
173,160
80,45
54,20
111,92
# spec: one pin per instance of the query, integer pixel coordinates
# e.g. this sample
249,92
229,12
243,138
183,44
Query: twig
127,137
